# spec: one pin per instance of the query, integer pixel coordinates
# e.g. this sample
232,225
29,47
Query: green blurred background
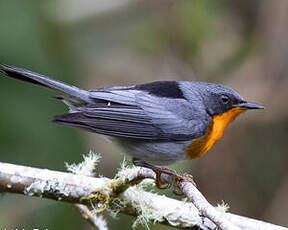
240,43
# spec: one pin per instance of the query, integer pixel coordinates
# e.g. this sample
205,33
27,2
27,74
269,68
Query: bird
157,123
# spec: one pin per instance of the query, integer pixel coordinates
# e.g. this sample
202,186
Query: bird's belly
154,152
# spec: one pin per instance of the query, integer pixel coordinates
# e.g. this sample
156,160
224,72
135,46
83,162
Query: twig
96,221
205,208
78,189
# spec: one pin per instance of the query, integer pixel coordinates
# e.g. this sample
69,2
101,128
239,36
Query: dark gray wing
119,122
113,113
126,112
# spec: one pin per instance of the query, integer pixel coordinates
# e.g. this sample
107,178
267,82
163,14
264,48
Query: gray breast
154,152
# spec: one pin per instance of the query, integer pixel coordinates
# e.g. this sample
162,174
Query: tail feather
38,79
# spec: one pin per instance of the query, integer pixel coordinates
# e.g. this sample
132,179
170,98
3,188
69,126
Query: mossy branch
119,195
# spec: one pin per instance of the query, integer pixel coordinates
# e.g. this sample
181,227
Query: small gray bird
156,123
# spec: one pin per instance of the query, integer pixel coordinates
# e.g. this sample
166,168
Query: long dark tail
38,79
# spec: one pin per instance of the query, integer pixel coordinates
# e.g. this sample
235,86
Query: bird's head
219,99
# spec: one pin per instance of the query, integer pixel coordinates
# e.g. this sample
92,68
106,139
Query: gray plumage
154,121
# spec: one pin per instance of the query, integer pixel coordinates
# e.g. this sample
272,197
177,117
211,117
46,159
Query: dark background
240,43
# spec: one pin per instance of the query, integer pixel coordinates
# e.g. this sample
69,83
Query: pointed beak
249,105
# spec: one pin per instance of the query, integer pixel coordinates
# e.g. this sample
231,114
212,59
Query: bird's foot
163,170
178,179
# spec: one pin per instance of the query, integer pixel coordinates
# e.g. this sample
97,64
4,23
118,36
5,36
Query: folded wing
117,122
129,113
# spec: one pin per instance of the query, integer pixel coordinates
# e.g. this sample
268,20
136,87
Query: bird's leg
159,170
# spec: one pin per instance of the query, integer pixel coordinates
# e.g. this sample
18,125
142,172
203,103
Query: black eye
224,99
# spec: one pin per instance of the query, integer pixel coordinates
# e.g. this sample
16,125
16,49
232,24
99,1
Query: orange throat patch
214,132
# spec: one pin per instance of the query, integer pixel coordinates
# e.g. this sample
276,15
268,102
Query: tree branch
103,192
